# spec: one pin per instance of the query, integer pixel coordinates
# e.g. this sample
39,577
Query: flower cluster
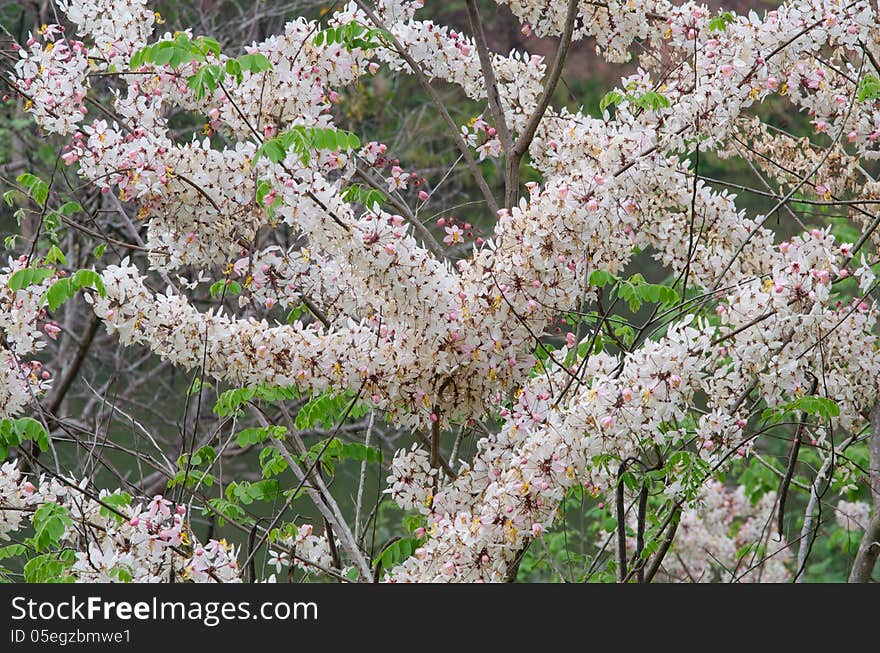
303,550
727,538
21,313
113,540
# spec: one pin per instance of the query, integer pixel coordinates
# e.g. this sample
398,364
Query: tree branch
869,548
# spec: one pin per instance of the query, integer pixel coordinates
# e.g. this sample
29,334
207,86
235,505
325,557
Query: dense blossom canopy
434,341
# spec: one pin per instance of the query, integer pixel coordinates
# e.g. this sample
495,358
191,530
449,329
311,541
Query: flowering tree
291,267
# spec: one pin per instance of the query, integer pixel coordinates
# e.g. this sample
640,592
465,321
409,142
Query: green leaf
49,568
232,287
264,187
272,462
28,277
51,521
650,100
352,35
326,410
869,88
295,313
627,292
259,434
273,150
175,52
397,551
233,68
360,452
192,478
254,63
225,509
205,455
206,79
35,187
246,493
117,500
813,405
88,279
98,252
230,401
58,293
69,208
12,551
122,574
138,58
719,23
601,278
15,431
370,198
301,139
609,99
55,256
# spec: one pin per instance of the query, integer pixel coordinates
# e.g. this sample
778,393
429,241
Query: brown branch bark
438,103
525,138
489,75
